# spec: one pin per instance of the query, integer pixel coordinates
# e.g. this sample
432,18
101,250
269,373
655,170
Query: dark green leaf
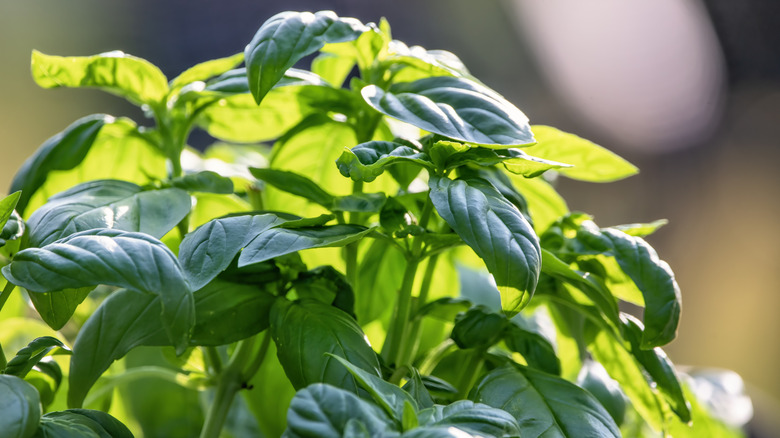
280,241
591,161
20,406
366,161
545,405
207,70
81,423
286,38
360,202
29,356
496,231
62,152
308,222
117,258
304,331
228,312
594,378
457,108
478,328
529,337
56,308
205,181
323,411
659,367
111,204
415,387
328,285
475,418
390,397
207,251
394,216
294,183
133,78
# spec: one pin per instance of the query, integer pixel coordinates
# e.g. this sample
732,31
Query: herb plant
373,248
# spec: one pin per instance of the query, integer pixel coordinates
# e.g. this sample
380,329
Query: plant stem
401,315
255,364
470,372
215,418
9,287
351,250
3,362
410,341
213,359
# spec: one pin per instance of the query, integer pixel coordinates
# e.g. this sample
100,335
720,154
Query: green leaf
56,308
323,411
528,335
479,328
545,405
382,268
591,162
81,423
206,181
286,38
280,241
641,230
594,378
29,356
305,330
651,275
7,206
360,202
445,309
366,161
496,231
208,250
415,387
475,418
13,229
228,312
332,67
659,367
135,79
328,285
117,258
20,407
111,204
457,108
294,183
207,70
62,152
418,63
390,397
623,367
545,205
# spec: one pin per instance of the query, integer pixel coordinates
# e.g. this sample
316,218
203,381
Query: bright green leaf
7,206
366,161
496,231
56,308
207,70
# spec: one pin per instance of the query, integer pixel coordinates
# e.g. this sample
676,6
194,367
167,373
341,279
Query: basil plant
372,248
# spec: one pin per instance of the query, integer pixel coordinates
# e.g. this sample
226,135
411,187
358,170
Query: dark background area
690,94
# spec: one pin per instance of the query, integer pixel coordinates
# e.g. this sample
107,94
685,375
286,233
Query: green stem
435,356
9,287
351,250
130,376
470,373
3,362
411,341
214,361
399,323
230,381
255,364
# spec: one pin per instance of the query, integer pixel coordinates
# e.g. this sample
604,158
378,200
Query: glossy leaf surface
475,418
287,37
133,78
81,423
20,407
457,108
496,231
111,204
29,356
545,405
132,260
305,330
366,161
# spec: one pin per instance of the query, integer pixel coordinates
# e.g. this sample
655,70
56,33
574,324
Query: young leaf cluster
372,248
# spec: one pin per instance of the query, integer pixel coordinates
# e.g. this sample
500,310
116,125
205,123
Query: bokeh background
689,91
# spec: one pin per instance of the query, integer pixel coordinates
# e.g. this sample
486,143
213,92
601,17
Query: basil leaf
81,423
133,78
62,152
382,267
457,108
294,183
545,405
29,356
591,162
496,231
360,202
641,230
322,411
545,205
21,407
305,330
478,327
208,250
528,336
7,206
207,70
286,38
475,418
390,397
111,204
280,241
206,181
13,229
366,161
415,387
117,258
56,308
594,378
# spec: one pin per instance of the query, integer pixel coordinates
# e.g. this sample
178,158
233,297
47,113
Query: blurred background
687,91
